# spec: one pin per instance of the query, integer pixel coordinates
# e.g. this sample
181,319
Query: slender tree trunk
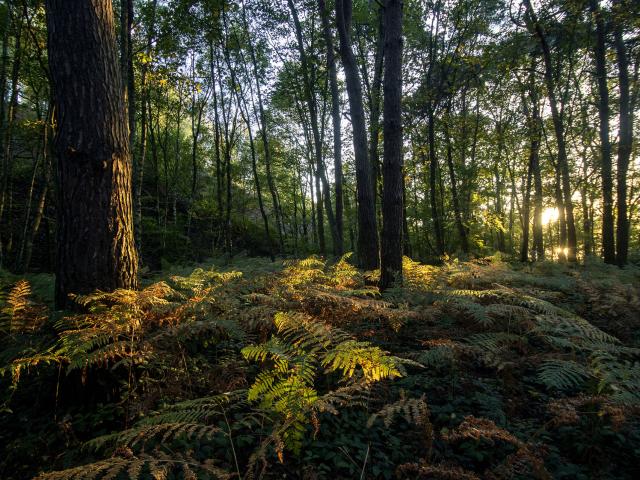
558,125
368,254
4,61
586,218
337,130
196,127
562,219
7,142
433,173
42,199
393,181
499,184
625,145
374,101
608,246
315,130
462,232
139,162
96,248
538,237
303,201
265,140
216,132
256,179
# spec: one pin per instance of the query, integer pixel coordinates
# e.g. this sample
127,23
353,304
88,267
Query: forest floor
302,369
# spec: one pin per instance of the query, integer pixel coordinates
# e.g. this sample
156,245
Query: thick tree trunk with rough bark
392,167
96,248
367,225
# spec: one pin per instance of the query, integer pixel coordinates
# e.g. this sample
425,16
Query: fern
415,411
18,313
304,345
562,374
158,465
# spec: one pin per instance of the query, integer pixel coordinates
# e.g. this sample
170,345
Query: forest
319,239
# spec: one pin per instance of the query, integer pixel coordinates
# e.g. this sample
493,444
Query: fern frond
562,374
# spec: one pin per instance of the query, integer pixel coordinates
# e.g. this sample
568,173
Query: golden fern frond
345,276
19,314
481,428
159,466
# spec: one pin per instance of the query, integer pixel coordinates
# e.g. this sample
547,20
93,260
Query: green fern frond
562,374
494,342
200,410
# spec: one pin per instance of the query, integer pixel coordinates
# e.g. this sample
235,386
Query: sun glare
550,215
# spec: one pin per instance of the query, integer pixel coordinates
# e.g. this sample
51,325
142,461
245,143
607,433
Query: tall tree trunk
374,101
337,130
96,248
393,181
608,246
196,127
501,246
538,237
256,179
562,219
34,227
462,232
625,144
367,225
139,162
4,61
315,130
433,172
558,125
7,140
216,132
586,218
265,139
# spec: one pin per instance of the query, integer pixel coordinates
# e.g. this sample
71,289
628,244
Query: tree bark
393,182
608,245
625,145
7,141
538,237
96,248
337,130
433,172
265,139
315,130
367,225
139,162
374,102
462,232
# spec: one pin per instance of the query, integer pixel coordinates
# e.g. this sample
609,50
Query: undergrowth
257,370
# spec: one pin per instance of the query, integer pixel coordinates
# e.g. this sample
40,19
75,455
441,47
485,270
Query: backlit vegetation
471,370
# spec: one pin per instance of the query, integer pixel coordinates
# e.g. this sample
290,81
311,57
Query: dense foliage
259,369
478,158
223,137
